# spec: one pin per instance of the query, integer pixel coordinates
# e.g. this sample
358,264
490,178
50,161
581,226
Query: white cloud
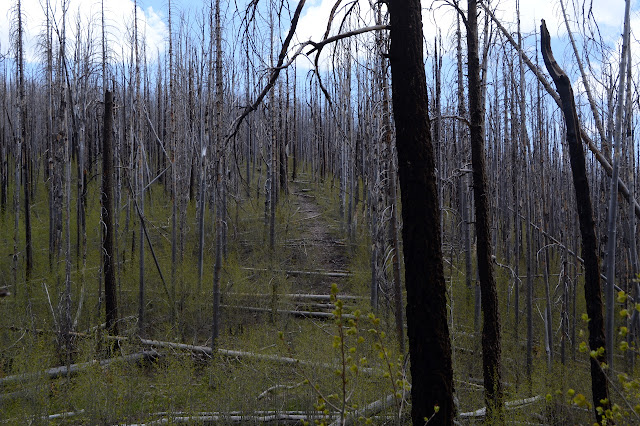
437,14
118,17
313,22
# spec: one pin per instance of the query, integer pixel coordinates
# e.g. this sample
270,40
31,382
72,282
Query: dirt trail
319,248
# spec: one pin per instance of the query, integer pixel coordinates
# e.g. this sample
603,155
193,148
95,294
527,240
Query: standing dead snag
219,177
610,263
24,144
592,286
108,249
429,341
491,346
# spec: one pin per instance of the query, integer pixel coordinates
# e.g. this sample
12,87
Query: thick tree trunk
491,345
592,286
429,346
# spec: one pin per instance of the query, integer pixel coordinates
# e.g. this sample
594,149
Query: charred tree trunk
429,346
491,346
592,286
219,180
108,248
22,129
463,182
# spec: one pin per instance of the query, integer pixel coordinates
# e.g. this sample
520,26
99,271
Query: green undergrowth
180,382
347,362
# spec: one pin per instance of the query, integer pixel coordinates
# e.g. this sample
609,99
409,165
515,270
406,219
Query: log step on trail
300,296
330,274
301,314
277,418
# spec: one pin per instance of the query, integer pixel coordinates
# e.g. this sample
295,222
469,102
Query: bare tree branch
275,71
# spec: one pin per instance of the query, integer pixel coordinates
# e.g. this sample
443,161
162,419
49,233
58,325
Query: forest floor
318,247
296,341
265,323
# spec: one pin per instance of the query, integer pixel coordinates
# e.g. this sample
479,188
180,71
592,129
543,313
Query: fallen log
295,417
58,416
510,405
276,388
66,415
301,296
369,410
249,355
330,274
315,241
301,314
55,372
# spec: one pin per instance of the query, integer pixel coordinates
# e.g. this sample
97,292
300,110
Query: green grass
182,382
176,382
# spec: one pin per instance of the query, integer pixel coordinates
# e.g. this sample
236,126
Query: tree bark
592,286
219,179
429,346
22,129
108,248
491,346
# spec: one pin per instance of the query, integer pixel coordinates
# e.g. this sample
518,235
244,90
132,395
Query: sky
153,19
609,14
118,16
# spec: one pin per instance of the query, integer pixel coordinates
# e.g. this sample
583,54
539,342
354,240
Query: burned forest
319,212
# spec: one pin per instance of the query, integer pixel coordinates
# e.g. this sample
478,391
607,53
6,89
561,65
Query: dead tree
463,182
613,200
429,347
491,346
24,144
174,172
219,179
108,248
391,186
137,142
592,286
